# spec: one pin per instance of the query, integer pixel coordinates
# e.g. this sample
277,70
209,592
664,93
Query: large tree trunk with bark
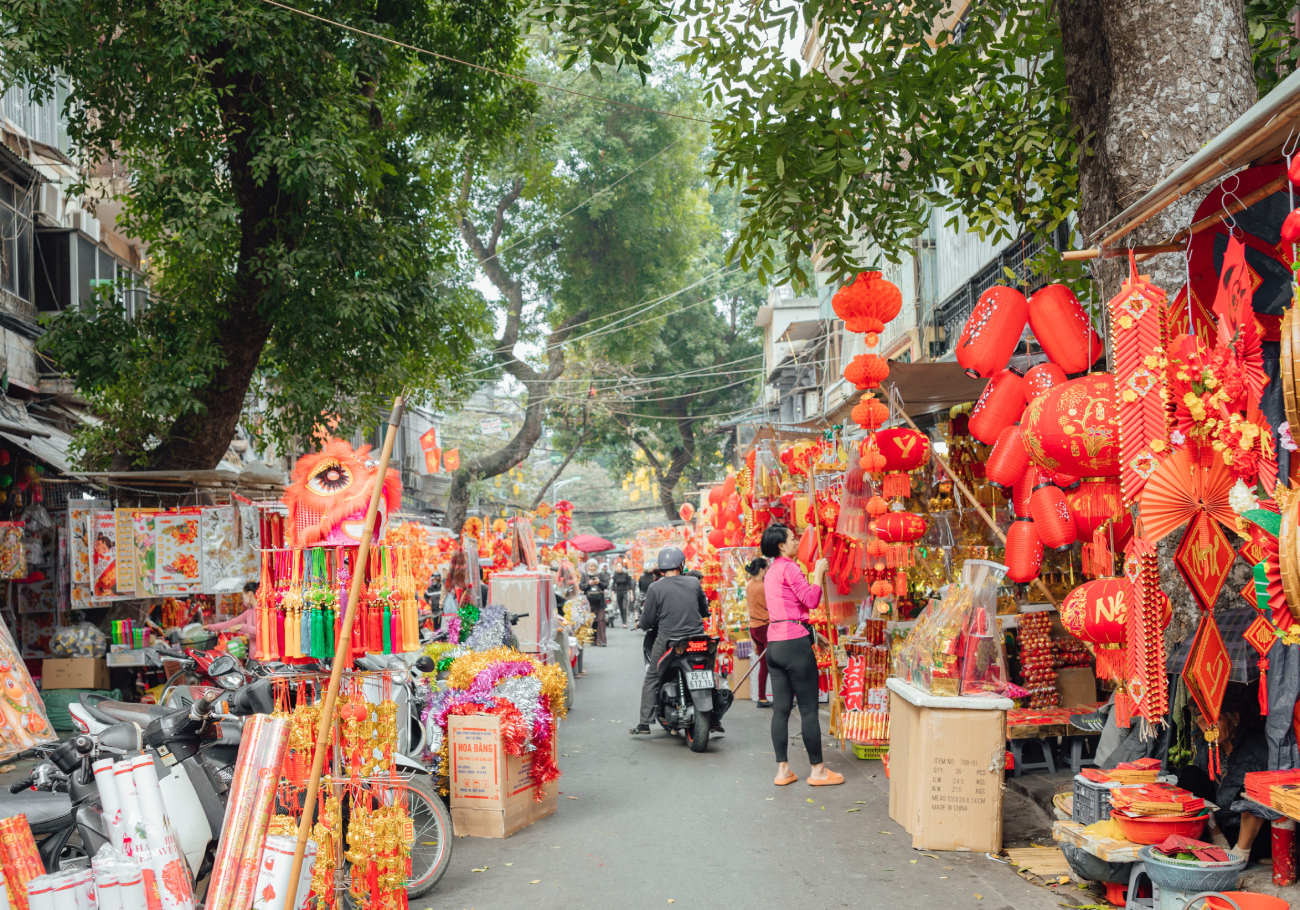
1150,84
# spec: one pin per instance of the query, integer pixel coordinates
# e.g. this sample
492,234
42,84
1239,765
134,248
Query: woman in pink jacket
791,663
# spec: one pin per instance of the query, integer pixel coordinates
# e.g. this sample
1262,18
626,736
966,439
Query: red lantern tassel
897,485
1123,709
1110,661
1263,685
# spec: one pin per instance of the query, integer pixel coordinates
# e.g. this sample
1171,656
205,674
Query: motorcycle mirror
222,665
425,664
121,738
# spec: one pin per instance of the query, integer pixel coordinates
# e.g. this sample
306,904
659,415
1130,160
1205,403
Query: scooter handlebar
19,786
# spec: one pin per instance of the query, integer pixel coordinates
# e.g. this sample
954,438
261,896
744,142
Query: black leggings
793,669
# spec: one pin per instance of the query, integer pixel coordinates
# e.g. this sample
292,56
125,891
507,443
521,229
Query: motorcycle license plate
699,679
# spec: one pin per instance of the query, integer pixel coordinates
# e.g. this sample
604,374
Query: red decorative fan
1180,489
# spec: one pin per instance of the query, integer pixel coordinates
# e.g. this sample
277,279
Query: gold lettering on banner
1112,608
905,446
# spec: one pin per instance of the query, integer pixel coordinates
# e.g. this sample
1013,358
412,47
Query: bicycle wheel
431,849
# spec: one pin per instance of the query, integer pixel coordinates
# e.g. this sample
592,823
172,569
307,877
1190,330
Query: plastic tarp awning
927,387
51,449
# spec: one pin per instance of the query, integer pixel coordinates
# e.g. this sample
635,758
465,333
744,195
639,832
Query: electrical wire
486,69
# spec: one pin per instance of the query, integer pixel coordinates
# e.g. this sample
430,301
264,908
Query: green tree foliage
289,177
587,223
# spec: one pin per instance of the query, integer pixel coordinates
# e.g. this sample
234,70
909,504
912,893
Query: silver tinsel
525,693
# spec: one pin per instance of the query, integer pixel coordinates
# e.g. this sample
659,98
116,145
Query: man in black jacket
675,607
622,588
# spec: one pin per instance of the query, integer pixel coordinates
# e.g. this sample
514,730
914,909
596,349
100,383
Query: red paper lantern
999,405
1041,378
1097,611
1065,481
1074,427
718,538
867,304
1024,554
877,506
904,450
1063,328
1022,489
1052,518
1291,227
867,371
900,527
869,413
1008,459
992,331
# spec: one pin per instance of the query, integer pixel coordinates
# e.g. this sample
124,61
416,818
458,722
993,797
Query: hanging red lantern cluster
867,304
866,371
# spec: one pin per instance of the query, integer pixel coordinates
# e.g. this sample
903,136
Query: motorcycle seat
109,711
41,807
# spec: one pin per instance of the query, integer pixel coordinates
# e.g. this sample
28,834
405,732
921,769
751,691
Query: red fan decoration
1052,518
1064,329
999,405
1073,428
867,304
1041,379
1180,489
1024,553
867,371
869,414
1008,459
1204,558
1137,320
992,331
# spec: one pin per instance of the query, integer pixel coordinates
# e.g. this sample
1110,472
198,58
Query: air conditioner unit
85,222
49,204
771,395
812,403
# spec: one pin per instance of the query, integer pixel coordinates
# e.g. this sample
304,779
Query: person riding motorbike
675,607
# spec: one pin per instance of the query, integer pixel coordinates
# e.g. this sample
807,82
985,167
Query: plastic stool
1077,760
1138,881
1044,746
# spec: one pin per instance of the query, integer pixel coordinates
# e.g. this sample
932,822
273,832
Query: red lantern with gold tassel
992,331
1008,459
867,371
1095,500
999,405
1041,378
1063,328
869,413
867,304
904,450
899,527
1096,612
1052,518
1024,555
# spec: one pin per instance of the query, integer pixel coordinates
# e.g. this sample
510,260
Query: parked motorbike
690,697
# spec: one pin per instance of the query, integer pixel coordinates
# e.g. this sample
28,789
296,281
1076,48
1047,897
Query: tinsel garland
488,631
453,629
468,615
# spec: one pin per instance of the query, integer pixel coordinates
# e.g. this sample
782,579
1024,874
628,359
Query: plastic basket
869,753
1091,801
1191,876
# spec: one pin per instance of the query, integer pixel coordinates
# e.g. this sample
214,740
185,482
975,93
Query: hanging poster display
102,535
177,567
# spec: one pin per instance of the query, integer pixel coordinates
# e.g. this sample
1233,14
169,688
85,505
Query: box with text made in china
492,792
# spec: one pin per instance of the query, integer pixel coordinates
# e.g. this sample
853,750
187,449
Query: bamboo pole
975,502
326,723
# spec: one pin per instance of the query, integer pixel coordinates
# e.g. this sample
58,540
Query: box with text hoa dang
492,791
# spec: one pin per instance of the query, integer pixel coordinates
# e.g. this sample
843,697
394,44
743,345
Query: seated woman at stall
1242,749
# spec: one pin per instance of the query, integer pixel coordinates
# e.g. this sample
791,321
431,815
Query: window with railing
16,238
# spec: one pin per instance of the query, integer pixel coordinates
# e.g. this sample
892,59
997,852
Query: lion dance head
329,492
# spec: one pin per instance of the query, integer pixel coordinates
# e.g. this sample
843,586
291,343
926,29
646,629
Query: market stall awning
802,331
1255,137
255,474
927,387
47,444
590,543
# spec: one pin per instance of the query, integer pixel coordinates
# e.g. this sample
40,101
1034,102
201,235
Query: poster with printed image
102,534
177,568
125,551
38,597
78,543
230,547
142,537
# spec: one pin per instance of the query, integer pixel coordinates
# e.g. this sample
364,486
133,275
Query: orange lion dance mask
328,494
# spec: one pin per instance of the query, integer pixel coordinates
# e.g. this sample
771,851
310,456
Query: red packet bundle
21,861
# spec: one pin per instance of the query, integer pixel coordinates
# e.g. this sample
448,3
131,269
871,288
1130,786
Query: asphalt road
645,823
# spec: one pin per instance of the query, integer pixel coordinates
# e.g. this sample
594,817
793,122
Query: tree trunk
1150,84
682,456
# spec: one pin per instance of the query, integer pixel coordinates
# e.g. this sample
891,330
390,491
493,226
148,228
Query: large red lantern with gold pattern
999,405
1074,428
992,331
1063,328
1008,459
867,304
1097,611
904,450
1024,555
899,527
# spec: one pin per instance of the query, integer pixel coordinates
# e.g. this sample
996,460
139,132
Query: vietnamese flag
431,459
451,459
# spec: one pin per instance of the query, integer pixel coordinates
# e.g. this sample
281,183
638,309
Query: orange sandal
785,782
830,780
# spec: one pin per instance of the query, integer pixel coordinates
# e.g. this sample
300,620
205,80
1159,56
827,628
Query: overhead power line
485,69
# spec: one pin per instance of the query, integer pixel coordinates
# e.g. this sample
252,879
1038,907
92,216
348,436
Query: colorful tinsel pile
527,695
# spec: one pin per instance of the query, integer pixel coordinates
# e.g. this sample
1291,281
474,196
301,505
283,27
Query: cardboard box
492,791
74,673
741,668
946,769
1077,685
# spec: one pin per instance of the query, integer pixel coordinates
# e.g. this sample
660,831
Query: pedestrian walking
622,589
756,606
593,585
791,662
